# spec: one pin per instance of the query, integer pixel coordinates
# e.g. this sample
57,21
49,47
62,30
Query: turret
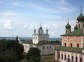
46,31
68,28
76,27
34,31
40,30
17,38
80,20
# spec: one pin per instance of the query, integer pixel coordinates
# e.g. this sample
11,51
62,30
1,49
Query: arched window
78,45
64,57
76,59
58,55
43,47
68,59
80,59
64,44
72,58
47,47
71,45
79,25
83,25
50,47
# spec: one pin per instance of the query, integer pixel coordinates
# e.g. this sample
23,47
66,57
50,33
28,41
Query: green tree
33,55
10,50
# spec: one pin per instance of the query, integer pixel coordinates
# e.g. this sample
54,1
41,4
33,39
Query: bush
33,55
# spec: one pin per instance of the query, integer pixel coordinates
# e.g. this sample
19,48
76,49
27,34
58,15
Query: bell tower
40,30
68,28
80,20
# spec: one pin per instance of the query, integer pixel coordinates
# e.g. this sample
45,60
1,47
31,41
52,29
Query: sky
20,17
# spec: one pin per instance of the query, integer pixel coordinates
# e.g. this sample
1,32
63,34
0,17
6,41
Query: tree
33,55
10,51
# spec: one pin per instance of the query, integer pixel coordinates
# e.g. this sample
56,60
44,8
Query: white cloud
8,17
8,25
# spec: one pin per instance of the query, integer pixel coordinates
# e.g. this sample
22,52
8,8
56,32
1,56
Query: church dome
40,27
80,17
76,27
68,26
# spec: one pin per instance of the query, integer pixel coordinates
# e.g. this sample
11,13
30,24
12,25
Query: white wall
78,55
26,47
39,37
46,49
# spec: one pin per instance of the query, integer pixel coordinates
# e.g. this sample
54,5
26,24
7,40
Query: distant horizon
31,37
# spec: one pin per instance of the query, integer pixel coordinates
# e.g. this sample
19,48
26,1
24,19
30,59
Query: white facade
26,47
65,56
40,36
40,40
46,49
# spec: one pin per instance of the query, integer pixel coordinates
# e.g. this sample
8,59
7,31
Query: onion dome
40,27
80,17
68,25
76,27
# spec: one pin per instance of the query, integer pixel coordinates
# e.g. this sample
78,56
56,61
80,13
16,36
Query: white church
40,40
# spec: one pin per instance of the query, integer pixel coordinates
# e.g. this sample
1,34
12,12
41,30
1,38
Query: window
50,47
64,44
68,59
78,45
64,57
76,59
43,47
72,58
79,25
71,45
83,25
59,55
47,47
80,59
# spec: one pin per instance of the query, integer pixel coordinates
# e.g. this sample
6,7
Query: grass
49,58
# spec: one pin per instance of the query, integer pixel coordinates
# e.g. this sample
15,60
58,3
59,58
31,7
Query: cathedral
40,36
40,40
72,44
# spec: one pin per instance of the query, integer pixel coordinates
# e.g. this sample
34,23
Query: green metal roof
69,49
78,32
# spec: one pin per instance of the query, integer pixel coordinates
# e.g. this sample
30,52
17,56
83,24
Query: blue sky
19,17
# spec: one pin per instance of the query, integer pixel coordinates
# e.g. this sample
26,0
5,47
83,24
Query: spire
76,27
40,30
80,17
17,38
34,30
81,9
46,31
68,25
68,20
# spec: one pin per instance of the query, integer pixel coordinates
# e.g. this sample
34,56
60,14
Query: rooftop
78,32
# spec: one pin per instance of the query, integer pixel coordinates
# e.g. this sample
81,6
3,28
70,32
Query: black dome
68,26
80,17
76,27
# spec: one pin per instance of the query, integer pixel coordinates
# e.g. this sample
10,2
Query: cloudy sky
19,17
